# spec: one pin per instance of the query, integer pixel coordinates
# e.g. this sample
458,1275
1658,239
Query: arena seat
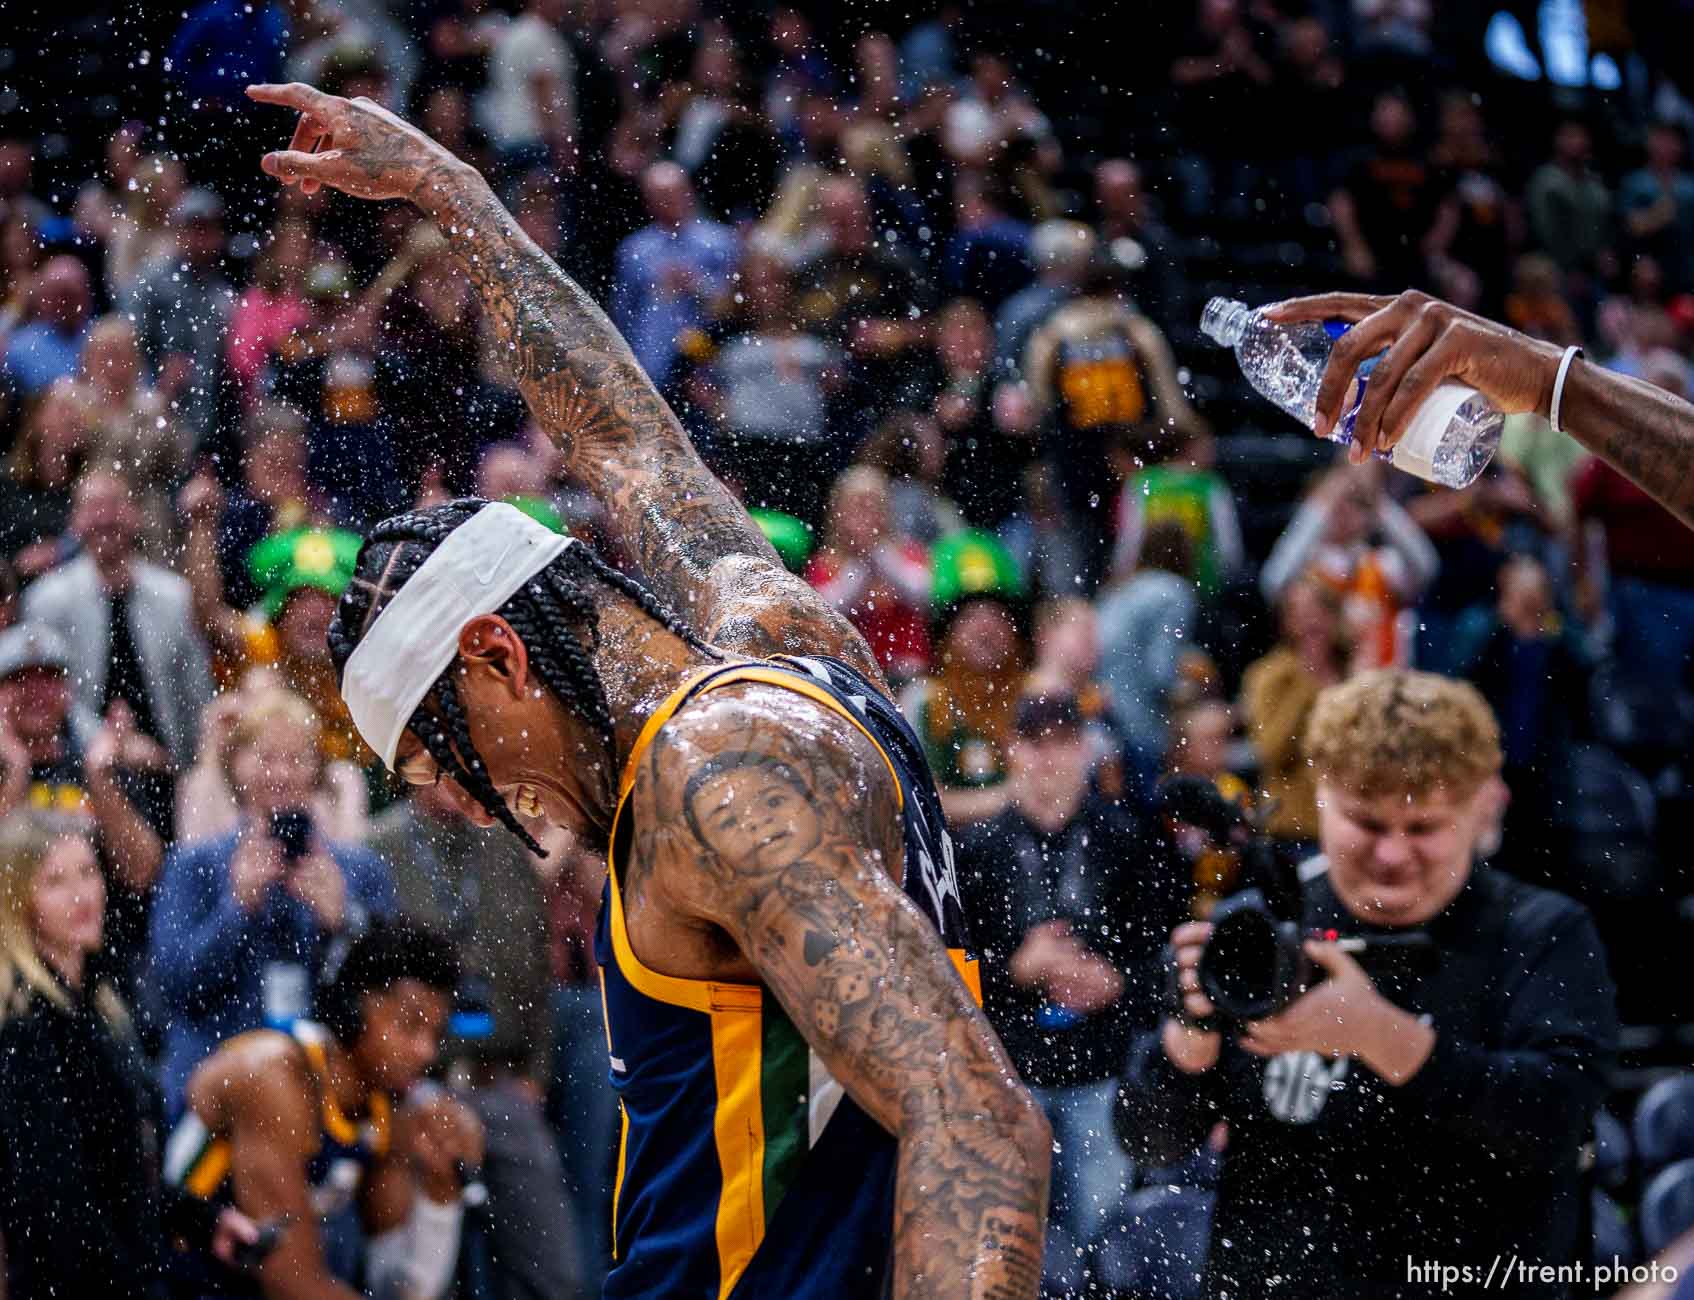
1664,1123
1667,1206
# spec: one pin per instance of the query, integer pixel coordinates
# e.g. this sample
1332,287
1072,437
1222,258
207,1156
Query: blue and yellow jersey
743,1169
198,1160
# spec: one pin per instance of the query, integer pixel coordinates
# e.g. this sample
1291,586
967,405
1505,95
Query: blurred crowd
932,316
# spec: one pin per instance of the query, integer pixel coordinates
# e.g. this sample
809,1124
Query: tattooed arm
1640,429
787,845
694,542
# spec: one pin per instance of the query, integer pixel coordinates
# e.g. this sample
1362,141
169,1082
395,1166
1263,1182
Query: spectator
1063,253
1070,927
1067,659
126,621
1649,564
35,493
1436,1112
181,308
777,384
80,1201
141,238
1534,674
1127,215
1536,305
721,139
48,346
1569,207
1095,366
60,757
272,494
911,450
989,456
874,575
240,928
484,896
1473,532
1147,622
962,712
300,574
1171,478
1220,77
1277,695
1479,225
1656,207
131,433
988,256
870,296
528,108
1360,541
1385,207
1312,89
272,308
669,271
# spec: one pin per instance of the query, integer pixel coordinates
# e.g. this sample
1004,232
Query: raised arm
1642,430
859,970
694,542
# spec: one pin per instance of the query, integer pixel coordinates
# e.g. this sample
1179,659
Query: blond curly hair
1394,731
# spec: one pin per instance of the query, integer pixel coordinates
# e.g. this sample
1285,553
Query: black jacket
82,1208
1120,900
1333,1178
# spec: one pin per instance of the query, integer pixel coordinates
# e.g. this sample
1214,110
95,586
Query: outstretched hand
1428,341
353,145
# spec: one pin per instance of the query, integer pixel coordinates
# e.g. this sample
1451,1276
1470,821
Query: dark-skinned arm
257,1091
693,541
859,970
1643,431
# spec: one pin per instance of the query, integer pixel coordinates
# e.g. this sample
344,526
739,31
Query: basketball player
781,900
301,1126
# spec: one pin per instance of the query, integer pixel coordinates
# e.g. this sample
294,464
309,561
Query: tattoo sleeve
780,827
693,541
1644,431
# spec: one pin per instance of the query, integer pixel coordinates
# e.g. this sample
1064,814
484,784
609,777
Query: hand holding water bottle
1428,343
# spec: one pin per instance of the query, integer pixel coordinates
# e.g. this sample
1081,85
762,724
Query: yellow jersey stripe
209,1171
969,971
617,1186
739,1130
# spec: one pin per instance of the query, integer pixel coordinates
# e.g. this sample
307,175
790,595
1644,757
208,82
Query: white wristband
1571,354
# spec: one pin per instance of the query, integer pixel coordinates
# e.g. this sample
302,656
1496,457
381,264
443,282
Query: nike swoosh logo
494,569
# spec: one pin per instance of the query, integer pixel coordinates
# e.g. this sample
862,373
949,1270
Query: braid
549,614
645,600
446,735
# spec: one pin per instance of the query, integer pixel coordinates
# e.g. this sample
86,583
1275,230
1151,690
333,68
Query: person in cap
962,711
813,1104
59,757
1071,914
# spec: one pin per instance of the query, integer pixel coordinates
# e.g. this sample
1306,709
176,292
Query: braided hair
554,614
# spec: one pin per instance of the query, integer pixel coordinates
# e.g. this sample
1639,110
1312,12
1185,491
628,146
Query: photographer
242,920
1399,1110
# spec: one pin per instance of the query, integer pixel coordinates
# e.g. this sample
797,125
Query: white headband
475,570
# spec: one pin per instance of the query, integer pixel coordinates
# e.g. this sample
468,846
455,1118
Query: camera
1255,963
291,828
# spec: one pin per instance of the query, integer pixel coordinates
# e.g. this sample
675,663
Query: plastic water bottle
1449,440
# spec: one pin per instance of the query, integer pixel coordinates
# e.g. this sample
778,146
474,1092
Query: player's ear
489,643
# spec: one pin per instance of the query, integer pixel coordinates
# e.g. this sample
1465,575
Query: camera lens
1238,970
